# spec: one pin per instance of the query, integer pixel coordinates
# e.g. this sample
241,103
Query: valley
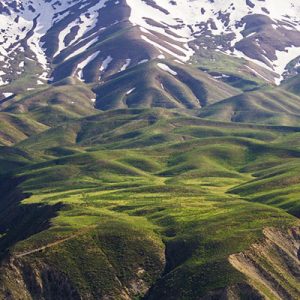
149,154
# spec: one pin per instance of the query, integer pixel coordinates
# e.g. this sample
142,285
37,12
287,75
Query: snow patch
130,91
105,63
6,95
167,69
126,65
143,61
84,63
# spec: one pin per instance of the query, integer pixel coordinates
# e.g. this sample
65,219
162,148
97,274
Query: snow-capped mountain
93,39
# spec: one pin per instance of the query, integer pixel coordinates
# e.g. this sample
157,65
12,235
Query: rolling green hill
161,83
149,150
147,203
160,182
274,106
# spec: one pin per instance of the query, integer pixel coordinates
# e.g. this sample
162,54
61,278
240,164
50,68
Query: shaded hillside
161,84
274,106
149,150
159,186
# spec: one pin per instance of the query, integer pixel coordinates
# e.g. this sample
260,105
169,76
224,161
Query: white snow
283,58
170,37
105,63
6,95
2,81
167,69
84,63
130,91
143,61
185,16
82,49
141,11
182,57
86,23
126,65
15,26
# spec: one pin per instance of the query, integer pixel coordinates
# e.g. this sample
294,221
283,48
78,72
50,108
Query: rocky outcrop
88,266
21,280
236,292
272,266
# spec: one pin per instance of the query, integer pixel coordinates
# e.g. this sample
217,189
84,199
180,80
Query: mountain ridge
149,149
68,38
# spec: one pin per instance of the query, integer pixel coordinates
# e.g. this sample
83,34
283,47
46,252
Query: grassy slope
155,184
181,183
69,95
292,85
14,128
34,111
266,106
151,86
238,72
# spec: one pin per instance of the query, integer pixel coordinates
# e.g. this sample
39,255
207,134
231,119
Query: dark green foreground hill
151,204
185,188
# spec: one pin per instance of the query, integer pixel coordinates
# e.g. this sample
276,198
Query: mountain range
149,149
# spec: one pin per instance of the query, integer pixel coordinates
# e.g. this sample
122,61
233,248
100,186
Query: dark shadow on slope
17,221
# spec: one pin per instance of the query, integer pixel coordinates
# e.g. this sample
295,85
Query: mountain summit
94,39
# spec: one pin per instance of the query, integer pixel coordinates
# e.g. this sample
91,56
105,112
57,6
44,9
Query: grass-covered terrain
161,83
237,72
126,200
269,105
147,154
163,181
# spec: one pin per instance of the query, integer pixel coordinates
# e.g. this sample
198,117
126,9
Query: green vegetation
149,198
266,106
148,85
239,73
152,198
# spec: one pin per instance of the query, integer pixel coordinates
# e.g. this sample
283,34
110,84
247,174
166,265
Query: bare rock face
236,292
23,280
272,267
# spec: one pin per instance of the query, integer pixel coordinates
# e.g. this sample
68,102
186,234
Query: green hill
149,150
161,83
147,198
274,106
